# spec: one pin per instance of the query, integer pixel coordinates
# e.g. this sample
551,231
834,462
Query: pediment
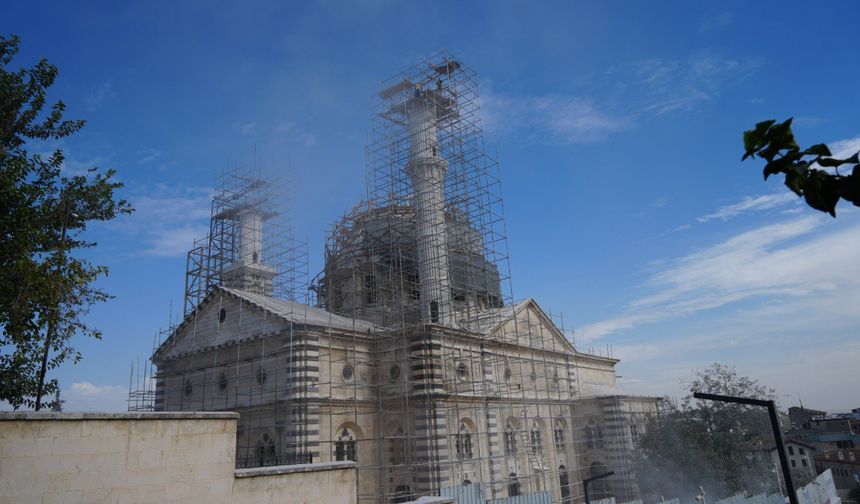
528,325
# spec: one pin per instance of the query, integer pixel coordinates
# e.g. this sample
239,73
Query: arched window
536,438
397,447
558,434
345,447
599,436
265,452
634,431
589,434
513,485
510,438
564,484
463,442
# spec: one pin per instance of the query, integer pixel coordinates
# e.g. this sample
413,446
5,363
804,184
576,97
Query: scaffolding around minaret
250,245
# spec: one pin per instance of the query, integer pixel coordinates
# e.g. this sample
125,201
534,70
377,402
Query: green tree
718,446
45,290
811,173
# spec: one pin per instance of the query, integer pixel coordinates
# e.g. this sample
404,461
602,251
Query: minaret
248,272
426,172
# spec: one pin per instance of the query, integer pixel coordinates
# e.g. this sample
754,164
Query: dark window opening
370,291
462,371
345,447
394,372
222,315
537,442
463,444
402,494
261,376
510,442
558,434
513,485
564,483
434,312
347,372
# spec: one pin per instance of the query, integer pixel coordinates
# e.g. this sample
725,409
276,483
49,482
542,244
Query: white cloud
683,84
845,148
775,261
751,204
248,128
716,22
617,99
86,396
99,96
551,117
167,221
149,155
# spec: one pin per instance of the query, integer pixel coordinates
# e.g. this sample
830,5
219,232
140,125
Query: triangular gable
267,315
531,326
204,328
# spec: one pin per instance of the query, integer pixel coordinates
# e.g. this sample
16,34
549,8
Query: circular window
261,376
222,315
508,375
394,372
222,382
187,388
462,371
347,372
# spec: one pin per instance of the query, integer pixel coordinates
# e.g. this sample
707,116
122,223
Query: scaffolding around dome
412,357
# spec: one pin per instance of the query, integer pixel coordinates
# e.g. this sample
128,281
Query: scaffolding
247,206
412,357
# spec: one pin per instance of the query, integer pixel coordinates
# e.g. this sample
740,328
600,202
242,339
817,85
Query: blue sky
617,126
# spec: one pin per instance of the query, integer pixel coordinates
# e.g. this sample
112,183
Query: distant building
801,417
800,458
845,465
824,432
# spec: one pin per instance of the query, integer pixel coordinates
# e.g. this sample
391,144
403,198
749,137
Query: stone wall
149,457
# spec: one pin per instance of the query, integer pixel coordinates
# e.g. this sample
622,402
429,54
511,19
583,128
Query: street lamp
586,481
774,425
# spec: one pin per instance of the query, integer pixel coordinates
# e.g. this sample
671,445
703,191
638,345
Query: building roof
299,313
794,442
288,311
595,390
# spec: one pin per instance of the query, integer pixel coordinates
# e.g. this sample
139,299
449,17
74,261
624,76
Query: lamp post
586,481
774,425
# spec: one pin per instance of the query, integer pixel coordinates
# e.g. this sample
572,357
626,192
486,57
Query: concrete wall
149,457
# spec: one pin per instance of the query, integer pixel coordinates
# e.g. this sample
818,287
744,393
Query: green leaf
756,138
795,182
828,162
821,191
818,150
850,187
